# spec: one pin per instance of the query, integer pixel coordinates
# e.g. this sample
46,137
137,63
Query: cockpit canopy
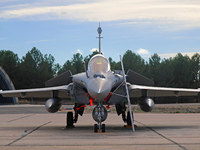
99,63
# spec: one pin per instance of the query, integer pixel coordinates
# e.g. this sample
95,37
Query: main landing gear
99,114
121,109
128,120
70,120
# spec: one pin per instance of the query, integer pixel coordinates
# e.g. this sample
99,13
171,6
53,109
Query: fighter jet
100,86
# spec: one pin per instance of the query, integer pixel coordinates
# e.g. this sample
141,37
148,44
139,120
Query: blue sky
64,27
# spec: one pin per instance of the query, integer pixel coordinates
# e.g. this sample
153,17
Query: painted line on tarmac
19,118
170,140
26,134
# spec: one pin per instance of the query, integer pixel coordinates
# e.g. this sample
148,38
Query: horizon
162,56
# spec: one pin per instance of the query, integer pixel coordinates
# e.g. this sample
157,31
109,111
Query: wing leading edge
138,90
61,91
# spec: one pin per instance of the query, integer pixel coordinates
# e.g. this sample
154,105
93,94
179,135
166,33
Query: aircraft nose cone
99,88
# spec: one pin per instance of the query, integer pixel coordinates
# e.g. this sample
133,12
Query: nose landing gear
102,128
99,114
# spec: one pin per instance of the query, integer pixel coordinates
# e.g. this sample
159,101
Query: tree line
33,69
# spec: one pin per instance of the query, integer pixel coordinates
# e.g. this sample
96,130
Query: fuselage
100,80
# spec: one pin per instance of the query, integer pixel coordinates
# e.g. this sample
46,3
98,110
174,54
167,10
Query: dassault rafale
100,86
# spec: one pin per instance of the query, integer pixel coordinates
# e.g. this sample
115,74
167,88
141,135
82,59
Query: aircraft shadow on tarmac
142,128
108,127
116,129
89,128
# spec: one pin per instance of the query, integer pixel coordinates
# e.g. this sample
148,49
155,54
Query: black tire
69,119
129,119
95,128
103,128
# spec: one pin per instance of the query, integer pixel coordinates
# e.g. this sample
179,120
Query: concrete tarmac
25,127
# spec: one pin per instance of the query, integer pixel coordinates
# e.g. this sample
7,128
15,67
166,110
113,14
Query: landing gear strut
99,114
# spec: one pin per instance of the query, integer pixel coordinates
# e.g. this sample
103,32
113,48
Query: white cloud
94,49
79,51
168,14
142,51
186,37
190,54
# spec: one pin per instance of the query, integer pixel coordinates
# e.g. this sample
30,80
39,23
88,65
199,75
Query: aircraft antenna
99,30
